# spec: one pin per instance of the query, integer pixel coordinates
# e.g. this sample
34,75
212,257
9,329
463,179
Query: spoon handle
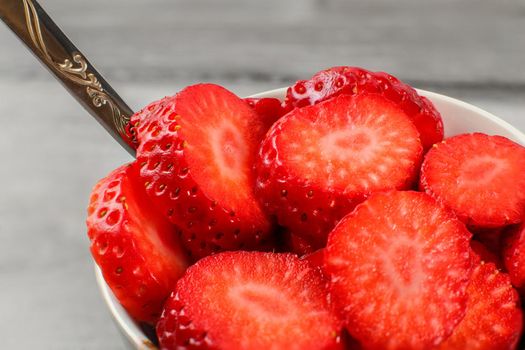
49,44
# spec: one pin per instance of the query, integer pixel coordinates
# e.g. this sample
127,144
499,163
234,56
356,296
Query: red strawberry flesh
480,177
514,255
249,300
399,266
136,248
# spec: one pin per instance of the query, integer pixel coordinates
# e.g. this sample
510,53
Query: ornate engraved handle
49,44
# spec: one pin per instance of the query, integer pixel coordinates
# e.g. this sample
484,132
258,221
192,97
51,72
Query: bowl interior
458,117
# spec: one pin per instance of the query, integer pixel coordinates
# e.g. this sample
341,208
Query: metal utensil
41,35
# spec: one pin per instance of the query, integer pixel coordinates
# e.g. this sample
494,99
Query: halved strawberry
136,248
399,266
316,163
196,160
494,318
249,300
352,80
480,177
514,255
268,109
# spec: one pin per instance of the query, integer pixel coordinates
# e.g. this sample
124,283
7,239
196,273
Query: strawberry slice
316,163
351,80
399,266
268,109
136,248
196,160
494,318
514,255
249,300
479,176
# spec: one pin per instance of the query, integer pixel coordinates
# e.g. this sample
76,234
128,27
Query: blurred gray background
52,152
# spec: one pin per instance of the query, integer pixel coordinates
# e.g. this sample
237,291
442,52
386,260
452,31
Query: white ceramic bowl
458,117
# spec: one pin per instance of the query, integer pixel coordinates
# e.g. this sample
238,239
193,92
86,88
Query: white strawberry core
480,170
262,302
229,152
355,144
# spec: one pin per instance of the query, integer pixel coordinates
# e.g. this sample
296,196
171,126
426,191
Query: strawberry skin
352,80
139,122
136,248
249,300
481,177
195,159
399,266
317,163
268,109
494,319
514,255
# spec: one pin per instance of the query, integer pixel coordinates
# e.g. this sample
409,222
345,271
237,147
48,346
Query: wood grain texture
52,152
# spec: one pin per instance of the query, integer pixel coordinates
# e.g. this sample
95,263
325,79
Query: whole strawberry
352,80
196,160
136,248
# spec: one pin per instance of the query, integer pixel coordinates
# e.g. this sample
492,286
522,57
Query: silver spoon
41,35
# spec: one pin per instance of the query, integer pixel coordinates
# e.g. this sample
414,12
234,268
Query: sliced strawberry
136,248
268,109
316,163
514,255
351,80
139,122
399,266
480,177
196,160
494,317
249,300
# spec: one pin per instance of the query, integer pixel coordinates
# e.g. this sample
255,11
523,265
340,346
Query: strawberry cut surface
196,162
494,319
481,177
399,266
249,300
136,248
316,163
514,255
353,80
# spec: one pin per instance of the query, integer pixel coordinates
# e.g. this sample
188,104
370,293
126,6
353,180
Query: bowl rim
129,328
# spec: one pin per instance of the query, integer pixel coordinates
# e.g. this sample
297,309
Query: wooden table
52,152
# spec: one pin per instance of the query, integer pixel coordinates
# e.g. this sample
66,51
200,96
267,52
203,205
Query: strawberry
316,163
249,300
482,253
514,255
351,80
298,244
136,248
399,266
268,109
196,160
140,120
480,177
493,319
